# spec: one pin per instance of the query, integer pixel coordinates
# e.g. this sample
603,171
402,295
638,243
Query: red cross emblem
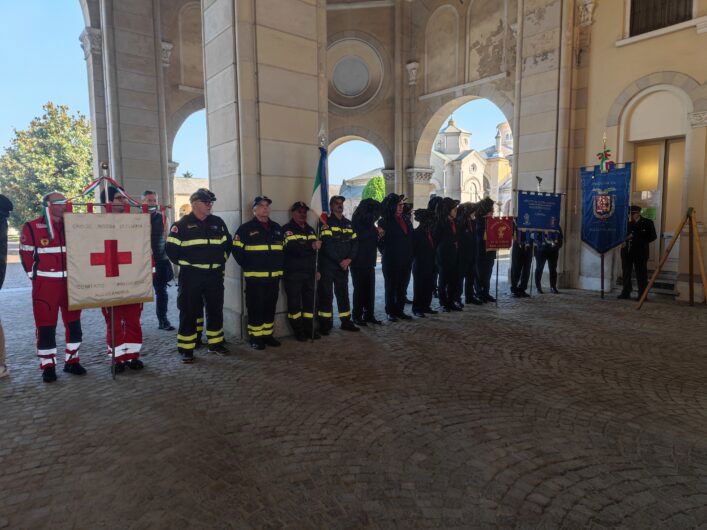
111,258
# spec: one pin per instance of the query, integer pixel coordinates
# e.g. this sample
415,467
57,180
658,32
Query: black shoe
347,325
49,374
269,340
119,368
624,296
488,298
301,336
514,290
403,316
430,311
392,318
324,331
456,306
188,358
74,368
257,343
523,294
135,364
474,301
199,342
539,290
419,314
447,309
554,290
373,320
218,349
360,322
165,324
516,294
408,301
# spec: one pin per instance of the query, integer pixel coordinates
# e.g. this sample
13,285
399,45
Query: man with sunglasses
200,244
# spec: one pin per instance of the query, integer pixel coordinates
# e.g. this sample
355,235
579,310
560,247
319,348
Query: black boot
539,289
269,340
49,374
257,343
347,325
166,325
135,364
74,368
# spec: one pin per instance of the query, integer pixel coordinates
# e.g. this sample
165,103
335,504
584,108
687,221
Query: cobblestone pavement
562,410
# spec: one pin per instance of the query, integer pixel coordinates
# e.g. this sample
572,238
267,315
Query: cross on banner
111,258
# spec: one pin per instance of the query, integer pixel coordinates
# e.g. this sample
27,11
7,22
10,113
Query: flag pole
112,341
322,177
316,270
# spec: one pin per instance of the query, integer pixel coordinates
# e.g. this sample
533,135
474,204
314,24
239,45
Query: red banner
499,232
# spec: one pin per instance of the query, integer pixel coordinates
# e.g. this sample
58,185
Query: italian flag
320,194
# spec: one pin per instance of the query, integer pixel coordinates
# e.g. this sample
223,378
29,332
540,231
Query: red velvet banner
499,232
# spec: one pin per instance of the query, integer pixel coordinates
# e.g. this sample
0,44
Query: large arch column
266,103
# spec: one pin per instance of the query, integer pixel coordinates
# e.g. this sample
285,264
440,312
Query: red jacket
42,256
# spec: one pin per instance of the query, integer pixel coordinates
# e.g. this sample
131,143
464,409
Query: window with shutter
649,15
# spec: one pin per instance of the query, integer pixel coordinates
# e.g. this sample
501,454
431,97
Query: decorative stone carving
412,68
173,168
91,41
166,53
586,12
698,119
420,175
388,175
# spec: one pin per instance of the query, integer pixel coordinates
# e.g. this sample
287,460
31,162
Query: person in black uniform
200,244
363,266
258,249
636,251
484,259
447,255
521,261
301,245
432,206
466,228
163,268
547,250
339,247
423,265
396,247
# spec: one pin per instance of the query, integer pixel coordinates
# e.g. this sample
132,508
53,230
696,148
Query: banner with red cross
109,259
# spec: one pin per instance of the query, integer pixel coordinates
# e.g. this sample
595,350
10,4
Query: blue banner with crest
538,211
605,203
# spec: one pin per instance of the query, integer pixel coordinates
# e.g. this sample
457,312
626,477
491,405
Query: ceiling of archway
355,73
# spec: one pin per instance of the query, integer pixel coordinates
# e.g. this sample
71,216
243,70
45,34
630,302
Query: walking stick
112,341
497,279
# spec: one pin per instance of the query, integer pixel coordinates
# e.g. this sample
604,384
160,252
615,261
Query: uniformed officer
258,249
636,251
339,247
547,250
301,245
200,244
521,262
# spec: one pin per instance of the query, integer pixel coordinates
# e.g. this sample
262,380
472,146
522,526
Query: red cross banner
109,259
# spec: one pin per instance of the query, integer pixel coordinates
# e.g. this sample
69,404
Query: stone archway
178,118
343,135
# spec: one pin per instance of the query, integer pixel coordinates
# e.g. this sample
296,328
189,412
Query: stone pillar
389,177
420,179
266,103
92,43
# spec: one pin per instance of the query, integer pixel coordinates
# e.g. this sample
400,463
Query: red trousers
127,330
49,295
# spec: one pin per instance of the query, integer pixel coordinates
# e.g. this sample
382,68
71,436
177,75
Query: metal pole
602,276
112,341
532,267
691,262
497,266
316,269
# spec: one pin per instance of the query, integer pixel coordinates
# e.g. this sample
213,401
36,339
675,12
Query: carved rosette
698,119
91,41
166,53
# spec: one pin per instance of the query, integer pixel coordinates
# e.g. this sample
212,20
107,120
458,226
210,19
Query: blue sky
42,60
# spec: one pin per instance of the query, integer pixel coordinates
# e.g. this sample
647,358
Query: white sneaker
4,371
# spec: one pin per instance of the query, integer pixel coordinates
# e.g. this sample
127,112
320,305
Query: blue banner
538,211
605,203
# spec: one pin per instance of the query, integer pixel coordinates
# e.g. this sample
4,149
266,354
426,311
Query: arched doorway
189,165
471,151
353,163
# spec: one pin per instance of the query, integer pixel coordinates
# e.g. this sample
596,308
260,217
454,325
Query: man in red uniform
44,260
126,318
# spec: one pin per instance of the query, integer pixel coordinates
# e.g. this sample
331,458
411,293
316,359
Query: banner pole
316,269
497,278
112,341
602,276
691,260
532,267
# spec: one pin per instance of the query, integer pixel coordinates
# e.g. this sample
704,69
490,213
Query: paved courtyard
562,410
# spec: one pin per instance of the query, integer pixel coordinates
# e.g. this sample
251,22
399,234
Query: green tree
375,189
53,153
187,175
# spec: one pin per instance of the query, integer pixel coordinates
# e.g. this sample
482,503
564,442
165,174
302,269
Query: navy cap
203,195
635,209
298,205
260,199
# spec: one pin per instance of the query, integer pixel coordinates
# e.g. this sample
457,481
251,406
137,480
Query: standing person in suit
363,266
636,251
446,238
432,205
423,265
547,250
466,228
521,262
396,247
485,259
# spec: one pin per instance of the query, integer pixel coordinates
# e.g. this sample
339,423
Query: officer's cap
336,198
635,209
203,195
260,199
298,205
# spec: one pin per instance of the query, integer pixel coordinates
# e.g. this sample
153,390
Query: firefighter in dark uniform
521,261
339,247
258,249
200,244
301,245
636,251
